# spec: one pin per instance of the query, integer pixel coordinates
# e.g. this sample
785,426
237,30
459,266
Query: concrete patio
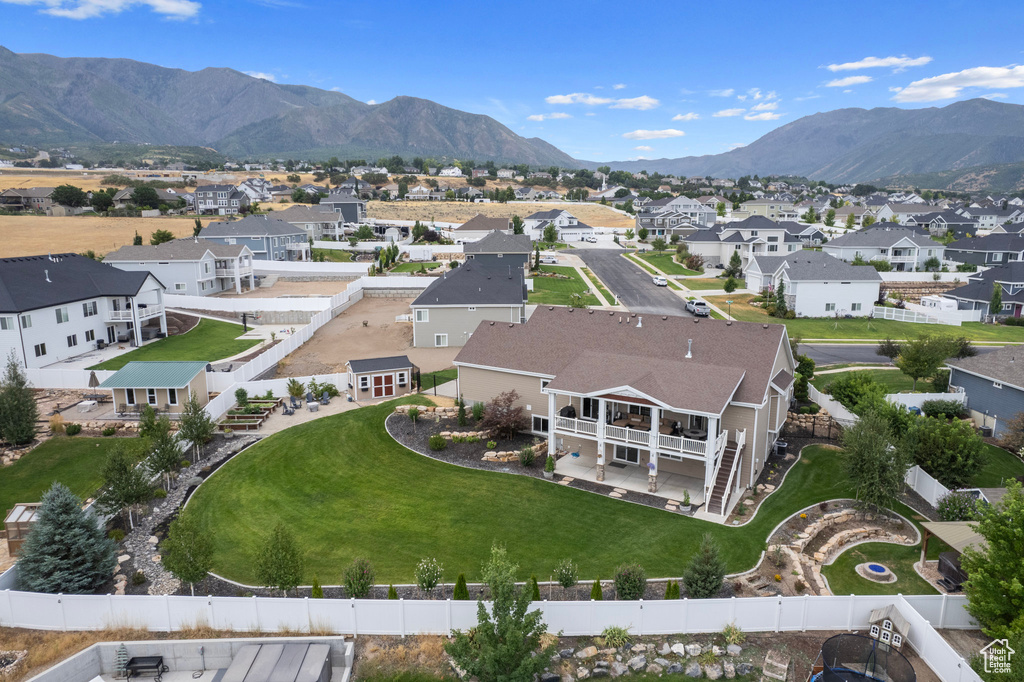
634,478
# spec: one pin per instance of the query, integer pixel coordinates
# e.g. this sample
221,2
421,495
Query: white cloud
848,81
763,116
643,148
729,92
692,116
590,113
807,97
897,63
726,113
950,85
643,103
371,101
89,9
618,86
994,95
260,74
653,134
545,117
766,106
578,98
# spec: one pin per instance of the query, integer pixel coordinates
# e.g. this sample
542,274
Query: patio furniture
695,434
146,664
624,423
325,399
121,409
230,367
288,411
296,403
310,397
87,406
313,405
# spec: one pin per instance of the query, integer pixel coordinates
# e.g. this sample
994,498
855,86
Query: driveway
835,353
631,285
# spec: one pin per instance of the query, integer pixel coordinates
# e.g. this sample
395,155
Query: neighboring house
417,193
940,223
816,284
31,199
900,213
773,209
123,197
525,193
807,234
902,246
506,173
993,384
220,200
449,310
196,267
480,172
858,213
994,250
674,403
267,238
164,386
351,208
499,249
257,189
450,172
570,229
380,377
749,237
318,221
660,216
56,307
991,218
313,190
977,293
477,227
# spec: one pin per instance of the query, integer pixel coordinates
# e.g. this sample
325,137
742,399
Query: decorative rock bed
9,661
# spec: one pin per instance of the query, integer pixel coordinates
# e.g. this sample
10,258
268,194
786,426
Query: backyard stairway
776,667
718,502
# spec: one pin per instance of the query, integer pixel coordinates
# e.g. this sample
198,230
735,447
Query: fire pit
876,572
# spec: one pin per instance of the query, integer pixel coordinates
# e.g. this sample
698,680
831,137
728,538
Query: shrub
800,390
790,315
56,424
668,590
317,592
549,464
462,412
799,586
116,535
595,591
478,411
1013,321
138,578
630,582
952,452
566,573
242,397
109,431
732,634
503,417
414,414
491,444
857,391
461,592
694,262
392,594
615,636
947,409
73,429
437,442
526,456
359,578
958,505
730,285
675,590
159,493
534,588
428,574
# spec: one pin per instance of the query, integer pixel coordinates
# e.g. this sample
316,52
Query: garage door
383,385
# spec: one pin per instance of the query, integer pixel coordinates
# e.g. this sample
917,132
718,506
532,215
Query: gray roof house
351,208
977,293
906,248
478,227
318,221
816,284
500,249
195,267
268,238
448,310
59,306
31,199
220,200
993,384
995,249
570,229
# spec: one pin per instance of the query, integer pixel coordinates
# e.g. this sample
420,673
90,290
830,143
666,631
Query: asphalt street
835,353
631,284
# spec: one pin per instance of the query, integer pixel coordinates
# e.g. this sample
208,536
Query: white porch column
711,450
238,276
601,407
135,323
551,424
652,472
163,311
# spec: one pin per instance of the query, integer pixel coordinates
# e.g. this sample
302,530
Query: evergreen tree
392,594
66,551
534,588
704,575
461,591
780,300
735,267
517,225
187,552
995,305
195,425
198,228
137,241
279,562
18,411
595,591
124,484
317,592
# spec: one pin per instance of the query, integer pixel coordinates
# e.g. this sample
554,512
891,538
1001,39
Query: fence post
401,617
778,617
167,606
213,619
942,612
448,616
256,605
309,618
686,613
732,609
355,623
640,628
64,618
803,617
849,614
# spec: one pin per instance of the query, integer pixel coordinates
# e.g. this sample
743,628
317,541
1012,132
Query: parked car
660,281
549,260
591,239
698,308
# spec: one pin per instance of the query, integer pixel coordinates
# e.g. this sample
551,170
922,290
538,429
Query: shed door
383,385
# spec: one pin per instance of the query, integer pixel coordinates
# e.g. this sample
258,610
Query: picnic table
146,664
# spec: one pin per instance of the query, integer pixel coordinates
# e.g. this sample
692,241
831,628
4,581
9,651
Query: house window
629,455
40,350
364,383
540,424
72,340
440,340
875,631
544,383
206,268
591,408
996,257
773,247
151,396
1007,306
401,379
172,396
89,309
90,335
179,286
62,315
830,307
897,640
6,324
855,307
423,316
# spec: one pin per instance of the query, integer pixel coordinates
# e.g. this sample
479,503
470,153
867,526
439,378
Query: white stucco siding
812,299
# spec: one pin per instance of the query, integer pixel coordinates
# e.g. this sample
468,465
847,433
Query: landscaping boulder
565,653
713,671
550,677
655,669
588,652
693,669
665,649
693,649
582,673
600,672
734,649
679,649
729,669
638,662
664,663
619,669
674,669
744,669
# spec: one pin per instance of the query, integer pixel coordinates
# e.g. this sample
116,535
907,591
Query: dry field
282,288
459,212
37,235
23,178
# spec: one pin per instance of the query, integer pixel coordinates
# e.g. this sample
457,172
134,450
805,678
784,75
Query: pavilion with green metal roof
163,385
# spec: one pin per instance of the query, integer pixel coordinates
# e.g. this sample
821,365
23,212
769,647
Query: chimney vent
689,348
47,273
640,323
492,324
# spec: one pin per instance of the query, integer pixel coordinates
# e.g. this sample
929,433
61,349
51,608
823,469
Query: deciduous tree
875,468
503,417
279,562
69,195
188,550
145,197
920,358
124,484
951,451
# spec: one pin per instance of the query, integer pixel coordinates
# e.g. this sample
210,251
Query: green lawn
347,490
74,461
1001,465
665,262
600,287
863,327
550,291
894,380
442,376
209,341
333,255
705,283
843,578
414,267
635,258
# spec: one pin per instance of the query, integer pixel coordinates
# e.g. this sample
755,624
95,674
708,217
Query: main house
570,229
905,248
816,284
753,236
660,404
977,293
267,238
452,306
773,209
993,384
220,200
991,251
56,307
941,223
196,267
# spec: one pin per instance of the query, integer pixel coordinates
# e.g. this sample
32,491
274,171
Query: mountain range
47,100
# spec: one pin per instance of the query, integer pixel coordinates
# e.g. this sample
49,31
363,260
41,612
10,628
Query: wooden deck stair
718,502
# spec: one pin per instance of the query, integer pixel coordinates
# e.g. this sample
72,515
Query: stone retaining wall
913,291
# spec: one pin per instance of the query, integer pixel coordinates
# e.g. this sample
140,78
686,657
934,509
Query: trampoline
856,658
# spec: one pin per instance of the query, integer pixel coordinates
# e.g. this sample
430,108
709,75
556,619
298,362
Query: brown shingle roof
594,350
482,223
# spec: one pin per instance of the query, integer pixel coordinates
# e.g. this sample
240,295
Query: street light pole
730,309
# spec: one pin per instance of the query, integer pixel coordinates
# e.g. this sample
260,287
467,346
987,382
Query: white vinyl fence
834,407
906,315
309,268
919,399
924,485
63,378
239,305
368,247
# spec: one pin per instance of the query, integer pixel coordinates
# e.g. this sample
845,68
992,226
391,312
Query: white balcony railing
231,272
580,426
642,437
143,313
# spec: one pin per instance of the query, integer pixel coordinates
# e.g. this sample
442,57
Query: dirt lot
459,212
34,235
345,338
292,289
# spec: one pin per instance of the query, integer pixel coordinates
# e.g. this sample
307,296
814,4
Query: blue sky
601,81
